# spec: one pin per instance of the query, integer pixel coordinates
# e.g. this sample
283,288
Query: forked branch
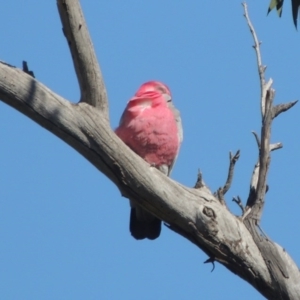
258,188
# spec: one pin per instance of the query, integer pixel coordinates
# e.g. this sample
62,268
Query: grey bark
195,213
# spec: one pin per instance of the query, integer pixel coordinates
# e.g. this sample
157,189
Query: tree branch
84,58
280,108
194,213
261,68
251,216
232,160
81,127
238,201
257,139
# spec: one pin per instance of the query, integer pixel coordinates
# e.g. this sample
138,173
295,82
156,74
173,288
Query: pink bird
151,127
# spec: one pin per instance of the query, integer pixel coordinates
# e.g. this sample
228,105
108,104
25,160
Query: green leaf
278,4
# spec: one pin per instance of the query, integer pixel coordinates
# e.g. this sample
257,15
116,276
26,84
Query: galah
151,127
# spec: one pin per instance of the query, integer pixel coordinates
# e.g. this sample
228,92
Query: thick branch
85,62
215,229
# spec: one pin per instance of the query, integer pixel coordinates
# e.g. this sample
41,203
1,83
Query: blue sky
63,225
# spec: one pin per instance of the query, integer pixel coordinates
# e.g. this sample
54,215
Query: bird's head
153,86
153,91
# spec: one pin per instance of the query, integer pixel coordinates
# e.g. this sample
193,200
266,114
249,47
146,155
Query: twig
261,68
256,138
210,260
280,108
232,161
275,146
238,201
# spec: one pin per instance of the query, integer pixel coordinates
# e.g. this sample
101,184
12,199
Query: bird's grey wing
177,117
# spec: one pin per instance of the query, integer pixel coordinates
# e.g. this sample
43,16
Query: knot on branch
209,212
206,222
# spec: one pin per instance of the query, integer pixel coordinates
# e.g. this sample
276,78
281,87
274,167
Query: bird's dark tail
143,224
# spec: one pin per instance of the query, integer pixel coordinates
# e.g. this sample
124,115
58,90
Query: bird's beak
167,97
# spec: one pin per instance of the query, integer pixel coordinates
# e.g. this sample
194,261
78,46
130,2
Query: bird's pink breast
151,132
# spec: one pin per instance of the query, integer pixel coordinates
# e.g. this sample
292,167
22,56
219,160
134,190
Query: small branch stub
280,108
199,183
257,139
26,69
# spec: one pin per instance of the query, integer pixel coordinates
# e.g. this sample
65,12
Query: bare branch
255,203
261,68
256,138
238,201
259,177
232,161
222,191
264,156
275,146
212,261
85,62
280,108
256,43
